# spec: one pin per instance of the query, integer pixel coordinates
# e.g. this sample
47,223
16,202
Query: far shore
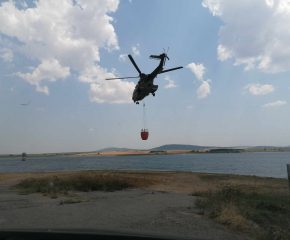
113,153
148,152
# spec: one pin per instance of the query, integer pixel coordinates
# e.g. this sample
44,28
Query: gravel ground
135,209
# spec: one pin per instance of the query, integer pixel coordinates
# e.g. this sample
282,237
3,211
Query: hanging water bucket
144,134
144,131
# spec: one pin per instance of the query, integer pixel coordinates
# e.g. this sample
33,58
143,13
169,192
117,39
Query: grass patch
211,177
260,216
84,182
248,184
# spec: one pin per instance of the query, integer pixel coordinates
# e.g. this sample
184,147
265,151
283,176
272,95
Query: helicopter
25,104
145,85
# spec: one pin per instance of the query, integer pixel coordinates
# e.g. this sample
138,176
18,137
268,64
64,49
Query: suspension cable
144,123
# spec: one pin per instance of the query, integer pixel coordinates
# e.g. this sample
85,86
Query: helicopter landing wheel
153,94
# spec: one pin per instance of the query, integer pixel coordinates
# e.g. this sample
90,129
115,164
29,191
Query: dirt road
166,207
135,209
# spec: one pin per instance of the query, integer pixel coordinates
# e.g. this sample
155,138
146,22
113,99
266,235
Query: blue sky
233,90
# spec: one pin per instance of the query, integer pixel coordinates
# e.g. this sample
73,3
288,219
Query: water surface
259,164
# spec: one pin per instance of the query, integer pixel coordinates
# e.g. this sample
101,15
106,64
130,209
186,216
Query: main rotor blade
171,69
119,78
135,65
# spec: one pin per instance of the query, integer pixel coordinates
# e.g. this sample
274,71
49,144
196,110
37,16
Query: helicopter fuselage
145,86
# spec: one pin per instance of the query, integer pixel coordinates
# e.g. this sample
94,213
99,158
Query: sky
234,89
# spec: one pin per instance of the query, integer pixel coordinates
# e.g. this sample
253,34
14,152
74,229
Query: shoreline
140,171
96,154
132,153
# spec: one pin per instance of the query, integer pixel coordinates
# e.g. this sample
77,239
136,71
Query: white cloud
101,91
30,68
91,129
278,103
255,33
115,72
259,89
223,53
213,6
189,107
6,54
171,83
122,57
12,89
94,74
68,33
39,109
48,69
24,4
111,91
270,3
204,89
197,69
135,50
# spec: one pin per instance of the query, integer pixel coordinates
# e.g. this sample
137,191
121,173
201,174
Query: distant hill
115,149
161,148
266,147
179,147
240,147
169,147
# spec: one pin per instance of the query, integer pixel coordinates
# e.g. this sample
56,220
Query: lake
259,164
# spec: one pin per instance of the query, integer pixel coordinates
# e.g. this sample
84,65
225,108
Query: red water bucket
144,134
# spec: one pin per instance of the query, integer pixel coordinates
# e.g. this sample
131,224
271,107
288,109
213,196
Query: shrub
262,216
78,182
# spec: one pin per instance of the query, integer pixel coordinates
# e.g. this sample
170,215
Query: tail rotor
166,57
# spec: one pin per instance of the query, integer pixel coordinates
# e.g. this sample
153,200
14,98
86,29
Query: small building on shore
23,156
